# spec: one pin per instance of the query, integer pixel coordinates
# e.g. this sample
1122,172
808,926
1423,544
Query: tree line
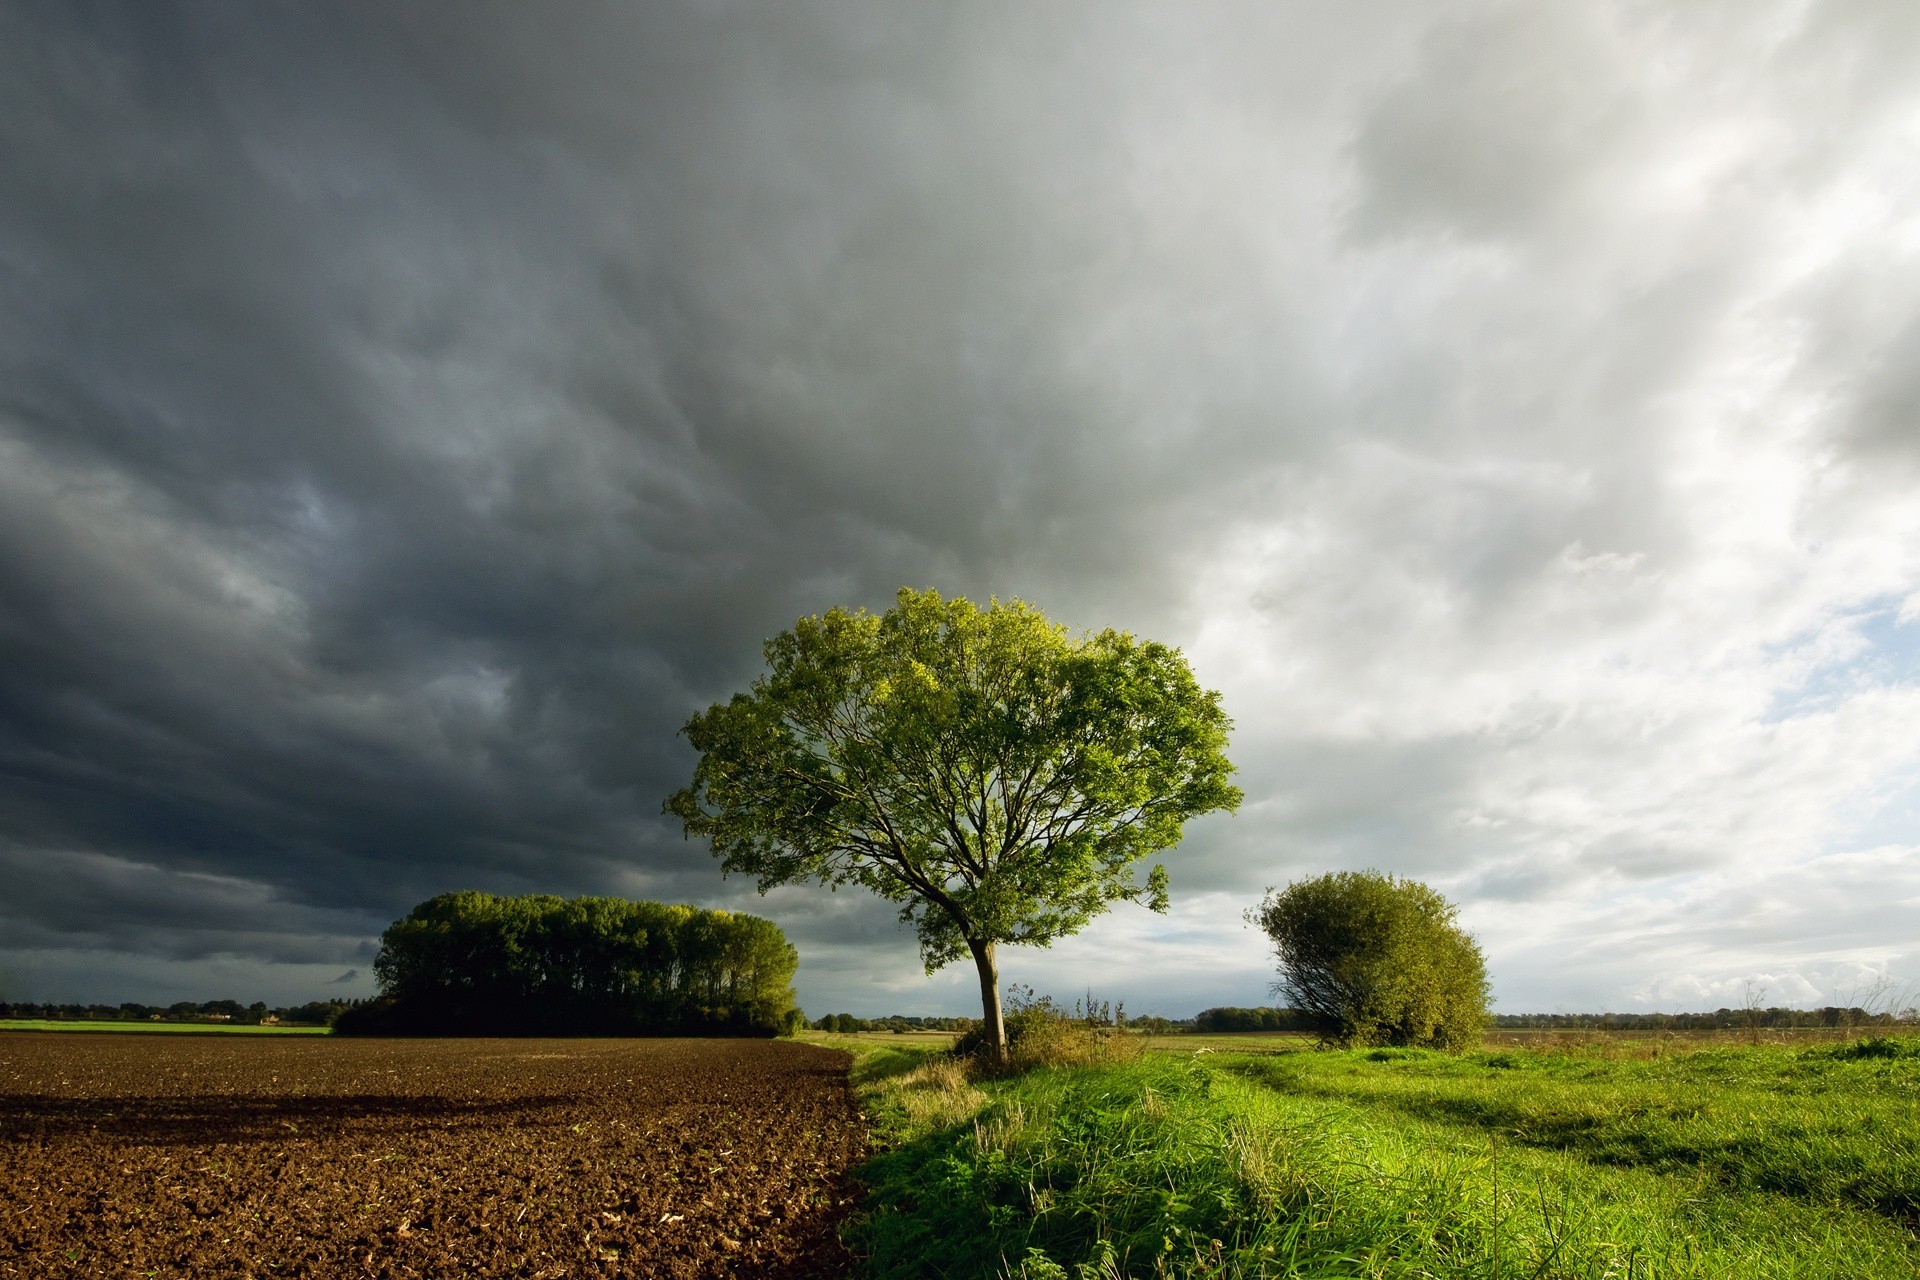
314,1013
477,963
900,1022
1830,1016
1229,1018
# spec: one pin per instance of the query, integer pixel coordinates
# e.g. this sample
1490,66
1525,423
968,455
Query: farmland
125,1027
231,1156
1223,1156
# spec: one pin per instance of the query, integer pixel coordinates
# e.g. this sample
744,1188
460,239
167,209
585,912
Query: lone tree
1376,960
995,776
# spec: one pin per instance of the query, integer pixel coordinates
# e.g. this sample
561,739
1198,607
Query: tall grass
1215,1166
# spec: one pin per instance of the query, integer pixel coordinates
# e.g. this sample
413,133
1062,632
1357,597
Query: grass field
863,1041
1229,1042
1558,1040
1749,1161
185,1028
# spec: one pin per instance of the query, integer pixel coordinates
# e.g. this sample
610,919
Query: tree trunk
996,1026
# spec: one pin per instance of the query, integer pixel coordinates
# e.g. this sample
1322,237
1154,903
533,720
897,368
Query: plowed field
132,1155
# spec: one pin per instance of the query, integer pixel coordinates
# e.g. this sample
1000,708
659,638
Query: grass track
1352,1165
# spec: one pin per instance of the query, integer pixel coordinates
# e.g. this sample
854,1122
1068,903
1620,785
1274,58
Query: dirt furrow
232,1156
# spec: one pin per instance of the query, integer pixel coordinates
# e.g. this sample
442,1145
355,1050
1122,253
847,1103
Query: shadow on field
166,1121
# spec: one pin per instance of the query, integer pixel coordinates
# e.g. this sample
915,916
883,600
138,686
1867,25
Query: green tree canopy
992,774
1376,960
476,963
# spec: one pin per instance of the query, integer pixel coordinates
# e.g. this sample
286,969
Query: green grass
1828,1124
1733,1163
859,1041
1230,1042
217,1028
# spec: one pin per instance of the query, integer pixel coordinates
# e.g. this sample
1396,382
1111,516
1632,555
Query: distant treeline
1228,1018
1261,1019
893,1022
904,1022
318,1013
476,964
1718,1020
315,1013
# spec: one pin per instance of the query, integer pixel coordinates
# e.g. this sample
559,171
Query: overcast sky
410,414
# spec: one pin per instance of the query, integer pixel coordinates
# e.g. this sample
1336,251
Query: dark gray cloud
408,418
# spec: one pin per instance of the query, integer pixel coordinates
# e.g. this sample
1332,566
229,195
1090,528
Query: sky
409,416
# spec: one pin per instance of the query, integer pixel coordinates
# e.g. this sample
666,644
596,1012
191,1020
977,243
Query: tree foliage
1229,1018
474,963
996,777
1372,959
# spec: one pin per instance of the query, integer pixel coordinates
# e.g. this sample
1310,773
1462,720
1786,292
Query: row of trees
316,1013
1834,1017
475,963
1217,1020
1229,1018
893,1022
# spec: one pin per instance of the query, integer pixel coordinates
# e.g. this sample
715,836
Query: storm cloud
408,417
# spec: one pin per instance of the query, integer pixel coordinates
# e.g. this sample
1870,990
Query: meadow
1586,1157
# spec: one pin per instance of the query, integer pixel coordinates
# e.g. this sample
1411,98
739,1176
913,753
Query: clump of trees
1228,1018
896,1022
476,964
1376,960
995,776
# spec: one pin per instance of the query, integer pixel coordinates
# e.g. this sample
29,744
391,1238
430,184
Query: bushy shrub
1375,960
1878,1047
1042,1033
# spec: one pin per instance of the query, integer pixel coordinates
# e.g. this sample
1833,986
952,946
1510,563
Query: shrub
1041,1033
1877,1047
1375,960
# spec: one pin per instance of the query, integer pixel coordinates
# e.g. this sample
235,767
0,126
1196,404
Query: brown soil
138,1155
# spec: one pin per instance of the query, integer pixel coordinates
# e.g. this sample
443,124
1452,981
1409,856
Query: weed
1877,1047
937,1093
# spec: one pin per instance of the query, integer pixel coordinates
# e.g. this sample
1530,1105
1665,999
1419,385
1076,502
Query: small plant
1043,1033
937,1094
1879,1047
